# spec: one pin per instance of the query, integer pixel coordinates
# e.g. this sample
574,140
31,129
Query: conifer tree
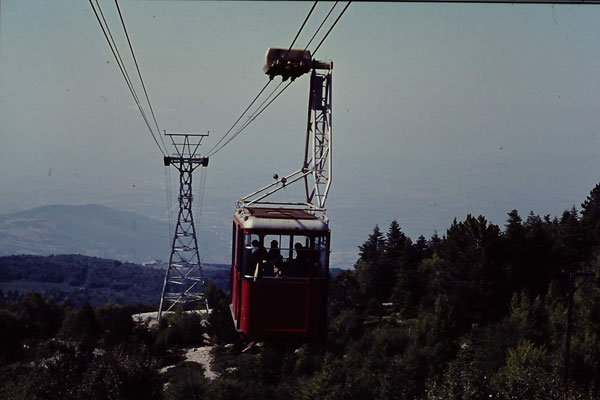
590,215
372,248
396,242
369,272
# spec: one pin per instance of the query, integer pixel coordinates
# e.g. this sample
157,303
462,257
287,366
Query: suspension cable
238,131
251,116
208,153
252,119
330,29
320,26
300,30
245,125
212,151
117,57
140,75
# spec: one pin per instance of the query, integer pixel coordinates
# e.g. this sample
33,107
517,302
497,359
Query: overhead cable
300,30
212,151
140,75
320,26
240,117
330,29
252,119
117,57
278,94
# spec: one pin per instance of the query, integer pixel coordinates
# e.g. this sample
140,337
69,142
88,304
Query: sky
439,110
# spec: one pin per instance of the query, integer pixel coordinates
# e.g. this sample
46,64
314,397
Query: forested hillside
477,313
83,279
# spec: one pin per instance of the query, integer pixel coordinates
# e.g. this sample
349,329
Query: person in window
299,264
258,256
274,260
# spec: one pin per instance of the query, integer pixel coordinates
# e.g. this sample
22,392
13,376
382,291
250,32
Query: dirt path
202,356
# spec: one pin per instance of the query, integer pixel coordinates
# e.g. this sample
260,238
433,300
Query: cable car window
320,262
278,252
299,260
253,255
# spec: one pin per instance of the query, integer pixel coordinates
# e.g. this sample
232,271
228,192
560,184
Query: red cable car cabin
280,268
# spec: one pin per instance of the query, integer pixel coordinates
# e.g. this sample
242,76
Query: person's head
274,243
298,246
255,243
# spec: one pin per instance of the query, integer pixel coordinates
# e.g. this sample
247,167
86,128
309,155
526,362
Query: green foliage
41,317
220,325
81,326
185,381
11,337
476,314
344,293
84,279
371,249
332,382
116,322
345,328
590,216
180,329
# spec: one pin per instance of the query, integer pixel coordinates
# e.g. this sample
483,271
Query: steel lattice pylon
183,280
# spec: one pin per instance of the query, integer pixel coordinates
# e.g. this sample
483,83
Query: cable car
280,250
279,276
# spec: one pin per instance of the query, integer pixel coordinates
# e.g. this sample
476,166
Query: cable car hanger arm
317,152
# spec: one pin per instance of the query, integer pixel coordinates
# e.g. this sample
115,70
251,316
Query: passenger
300,262
274,260
258,256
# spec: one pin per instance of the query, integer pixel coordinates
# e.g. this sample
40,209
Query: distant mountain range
91,230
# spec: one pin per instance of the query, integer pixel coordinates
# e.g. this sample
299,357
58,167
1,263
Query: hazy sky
439,110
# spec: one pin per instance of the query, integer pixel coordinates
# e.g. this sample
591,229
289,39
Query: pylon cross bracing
184,282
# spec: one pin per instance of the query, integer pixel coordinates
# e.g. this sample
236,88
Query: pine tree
371,250
421,248
590,215
370,274
396,242
514,227
591,207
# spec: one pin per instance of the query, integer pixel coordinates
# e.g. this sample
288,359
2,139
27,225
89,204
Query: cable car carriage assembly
280,250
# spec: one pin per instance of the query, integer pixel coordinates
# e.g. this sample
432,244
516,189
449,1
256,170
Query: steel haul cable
300,30
212,151
320,26
330,29
208,153
257,112
250,118
140,75
123,69
253,118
